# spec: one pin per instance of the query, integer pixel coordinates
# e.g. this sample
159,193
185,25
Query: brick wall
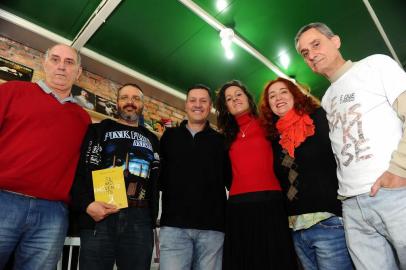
154,110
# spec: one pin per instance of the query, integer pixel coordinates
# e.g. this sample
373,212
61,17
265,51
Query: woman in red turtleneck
257,232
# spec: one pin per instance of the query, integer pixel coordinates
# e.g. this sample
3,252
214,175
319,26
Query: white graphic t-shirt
364,128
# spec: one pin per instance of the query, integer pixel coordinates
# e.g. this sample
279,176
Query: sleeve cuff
397,170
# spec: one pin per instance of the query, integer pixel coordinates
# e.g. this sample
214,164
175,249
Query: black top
316,182
111,144
195,172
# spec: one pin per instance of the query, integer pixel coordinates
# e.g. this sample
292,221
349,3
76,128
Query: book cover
109,186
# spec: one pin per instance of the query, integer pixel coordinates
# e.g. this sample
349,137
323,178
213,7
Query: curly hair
304,103
226,122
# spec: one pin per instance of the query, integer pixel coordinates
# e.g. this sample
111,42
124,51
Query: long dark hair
225,120
304,103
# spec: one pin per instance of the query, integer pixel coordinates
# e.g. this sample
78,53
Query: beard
130,117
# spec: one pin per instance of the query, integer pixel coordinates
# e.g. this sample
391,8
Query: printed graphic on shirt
345,117
93,153
139,140
134,153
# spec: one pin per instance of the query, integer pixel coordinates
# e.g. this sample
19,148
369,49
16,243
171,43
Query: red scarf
294,129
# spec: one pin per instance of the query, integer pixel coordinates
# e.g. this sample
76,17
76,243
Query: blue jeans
323,246
375,229
124,238
185,249
34,229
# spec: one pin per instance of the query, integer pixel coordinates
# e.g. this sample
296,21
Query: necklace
245,129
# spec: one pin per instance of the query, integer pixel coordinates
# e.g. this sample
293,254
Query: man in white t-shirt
366,109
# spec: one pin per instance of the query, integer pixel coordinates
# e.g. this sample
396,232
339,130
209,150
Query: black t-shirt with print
128,147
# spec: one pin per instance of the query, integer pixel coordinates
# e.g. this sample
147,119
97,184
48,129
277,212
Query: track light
221,5
227,36
284,59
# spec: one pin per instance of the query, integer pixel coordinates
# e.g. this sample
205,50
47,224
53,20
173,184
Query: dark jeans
125,238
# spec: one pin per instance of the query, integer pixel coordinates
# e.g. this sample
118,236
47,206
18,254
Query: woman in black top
305,165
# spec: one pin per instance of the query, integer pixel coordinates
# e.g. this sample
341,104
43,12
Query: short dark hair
199,86
129,84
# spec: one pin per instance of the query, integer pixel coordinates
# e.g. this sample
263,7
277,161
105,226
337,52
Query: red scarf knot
294,129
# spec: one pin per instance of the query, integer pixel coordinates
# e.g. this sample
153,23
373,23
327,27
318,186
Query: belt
138,203
18,193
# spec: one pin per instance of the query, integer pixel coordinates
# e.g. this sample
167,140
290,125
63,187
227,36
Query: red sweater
252,159
40,141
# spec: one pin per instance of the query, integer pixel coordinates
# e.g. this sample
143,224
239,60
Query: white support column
381,30
98,17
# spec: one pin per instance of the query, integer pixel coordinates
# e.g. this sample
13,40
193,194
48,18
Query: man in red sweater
41,130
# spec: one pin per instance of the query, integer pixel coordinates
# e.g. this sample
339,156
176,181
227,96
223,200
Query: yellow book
109,186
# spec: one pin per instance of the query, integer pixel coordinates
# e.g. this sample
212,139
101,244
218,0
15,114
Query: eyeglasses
132,99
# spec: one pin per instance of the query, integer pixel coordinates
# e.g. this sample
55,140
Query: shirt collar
340,72
184,124
191,130
48,90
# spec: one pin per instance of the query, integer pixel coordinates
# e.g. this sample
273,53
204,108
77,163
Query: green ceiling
166,41
65,18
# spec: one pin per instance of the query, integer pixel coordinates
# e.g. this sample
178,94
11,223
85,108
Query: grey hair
78,58
321,27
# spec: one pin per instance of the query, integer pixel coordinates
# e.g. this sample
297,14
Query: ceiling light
226,43
221,5
284,59
239,41
229,54
227,36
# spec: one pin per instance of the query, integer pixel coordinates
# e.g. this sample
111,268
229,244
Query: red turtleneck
252,158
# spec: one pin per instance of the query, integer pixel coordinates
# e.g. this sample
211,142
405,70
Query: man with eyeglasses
109,235
41,130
